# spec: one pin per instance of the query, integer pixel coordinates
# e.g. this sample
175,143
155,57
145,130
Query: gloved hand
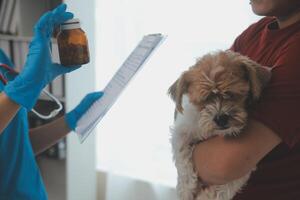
73,116
39,69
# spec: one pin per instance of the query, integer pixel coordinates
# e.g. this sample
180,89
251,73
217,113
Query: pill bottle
72,44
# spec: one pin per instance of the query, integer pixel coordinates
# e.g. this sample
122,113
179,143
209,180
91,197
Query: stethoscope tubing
45,117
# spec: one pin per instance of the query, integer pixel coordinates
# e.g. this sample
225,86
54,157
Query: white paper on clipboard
117,84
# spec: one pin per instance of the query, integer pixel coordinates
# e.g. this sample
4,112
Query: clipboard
117,84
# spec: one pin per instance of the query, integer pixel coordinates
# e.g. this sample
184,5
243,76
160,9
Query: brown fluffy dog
212,98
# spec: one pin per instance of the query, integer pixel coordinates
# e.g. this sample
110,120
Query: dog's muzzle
222,121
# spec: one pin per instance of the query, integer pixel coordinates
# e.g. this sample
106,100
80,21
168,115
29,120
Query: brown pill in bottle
72,44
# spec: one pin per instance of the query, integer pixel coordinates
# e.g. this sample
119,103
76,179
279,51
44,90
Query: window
133,138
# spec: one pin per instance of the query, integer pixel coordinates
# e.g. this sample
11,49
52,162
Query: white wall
81,175
132,189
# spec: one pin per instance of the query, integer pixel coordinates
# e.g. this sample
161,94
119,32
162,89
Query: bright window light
133,138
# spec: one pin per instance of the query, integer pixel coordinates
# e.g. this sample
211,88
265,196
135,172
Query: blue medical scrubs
20,178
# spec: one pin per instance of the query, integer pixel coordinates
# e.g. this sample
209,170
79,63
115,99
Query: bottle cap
70,24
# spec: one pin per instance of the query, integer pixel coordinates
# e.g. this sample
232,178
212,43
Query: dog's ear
177,89
172,90
257,75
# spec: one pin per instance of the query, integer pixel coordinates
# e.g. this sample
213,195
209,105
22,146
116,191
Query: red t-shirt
278,175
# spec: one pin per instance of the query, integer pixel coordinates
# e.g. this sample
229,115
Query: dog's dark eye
228,95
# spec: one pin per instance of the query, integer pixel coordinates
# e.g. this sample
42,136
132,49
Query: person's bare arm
45,136
220,160
8,110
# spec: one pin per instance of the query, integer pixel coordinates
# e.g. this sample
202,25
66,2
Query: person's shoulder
255,29
261,24
265,21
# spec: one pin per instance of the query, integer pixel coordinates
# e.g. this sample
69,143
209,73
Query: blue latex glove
73,116
39,70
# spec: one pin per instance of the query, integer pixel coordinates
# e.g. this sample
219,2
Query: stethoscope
10,73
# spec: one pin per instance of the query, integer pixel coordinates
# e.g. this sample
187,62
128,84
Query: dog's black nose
222,120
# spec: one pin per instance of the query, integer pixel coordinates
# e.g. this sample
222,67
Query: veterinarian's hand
39,69
73,116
